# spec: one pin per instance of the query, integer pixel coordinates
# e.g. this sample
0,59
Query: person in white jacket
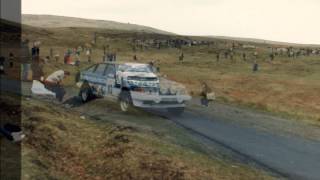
54,83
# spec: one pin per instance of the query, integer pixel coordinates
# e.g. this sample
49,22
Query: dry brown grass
60,145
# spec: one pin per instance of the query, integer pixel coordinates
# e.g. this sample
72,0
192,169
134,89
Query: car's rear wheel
176,111
125,101
84,96
85,93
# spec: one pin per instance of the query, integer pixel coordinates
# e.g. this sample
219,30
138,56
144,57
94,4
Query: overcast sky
280,20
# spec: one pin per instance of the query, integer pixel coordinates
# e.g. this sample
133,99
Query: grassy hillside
286,86
48,21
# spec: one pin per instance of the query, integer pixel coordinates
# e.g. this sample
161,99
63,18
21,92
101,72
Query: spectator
88,53
244,56
57,57
255,66
181,57
54,83
204,94
46,59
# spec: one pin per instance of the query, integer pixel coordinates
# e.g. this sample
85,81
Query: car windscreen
142,68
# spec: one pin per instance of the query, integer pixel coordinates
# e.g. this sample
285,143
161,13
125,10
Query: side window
100,69
111,70
91,69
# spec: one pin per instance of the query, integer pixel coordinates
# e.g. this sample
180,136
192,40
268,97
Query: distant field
287,87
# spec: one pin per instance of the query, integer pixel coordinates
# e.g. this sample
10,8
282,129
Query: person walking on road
207,94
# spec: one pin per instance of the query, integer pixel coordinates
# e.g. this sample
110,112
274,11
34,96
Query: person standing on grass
181,57
255,66
244,56
57,57
77,62
54,83
255,54
218,57
47,59
231,55
271,56
88,53
114,57
226,55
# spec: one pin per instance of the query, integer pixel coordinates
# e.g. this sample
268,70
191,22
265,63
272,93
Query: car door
99,82
88,74
111,80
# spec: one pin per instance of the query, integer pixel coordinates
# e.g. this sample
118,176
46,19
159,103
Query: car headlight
180,100
157,100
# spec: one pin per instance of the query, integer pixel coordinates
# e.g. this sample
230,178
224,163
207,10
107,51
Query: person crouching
54,83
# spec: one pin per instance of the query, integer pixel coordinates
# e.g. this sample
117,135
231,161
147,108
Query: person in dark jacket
204,94
255,66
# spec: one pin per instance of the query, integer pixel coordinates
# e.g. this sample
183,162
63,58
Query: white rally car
132,84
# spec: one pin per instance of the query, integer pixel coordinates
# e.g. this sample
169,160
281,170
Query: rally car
132,85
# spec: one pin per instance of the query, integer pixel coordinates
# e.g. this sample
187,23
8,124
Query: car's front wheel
125,101
85,93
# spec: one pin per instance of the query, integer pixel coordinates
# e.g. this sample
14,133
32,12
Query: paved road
293,156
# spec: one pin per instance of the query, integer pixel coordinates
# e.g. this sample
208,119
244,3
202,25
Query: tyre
85,93
176,111
125,101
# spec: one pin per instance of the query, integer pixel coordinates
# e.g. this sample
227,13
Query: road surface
290,156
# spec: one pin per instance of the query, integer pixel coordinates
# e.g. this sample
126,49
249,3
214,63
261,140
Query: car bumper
145,100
